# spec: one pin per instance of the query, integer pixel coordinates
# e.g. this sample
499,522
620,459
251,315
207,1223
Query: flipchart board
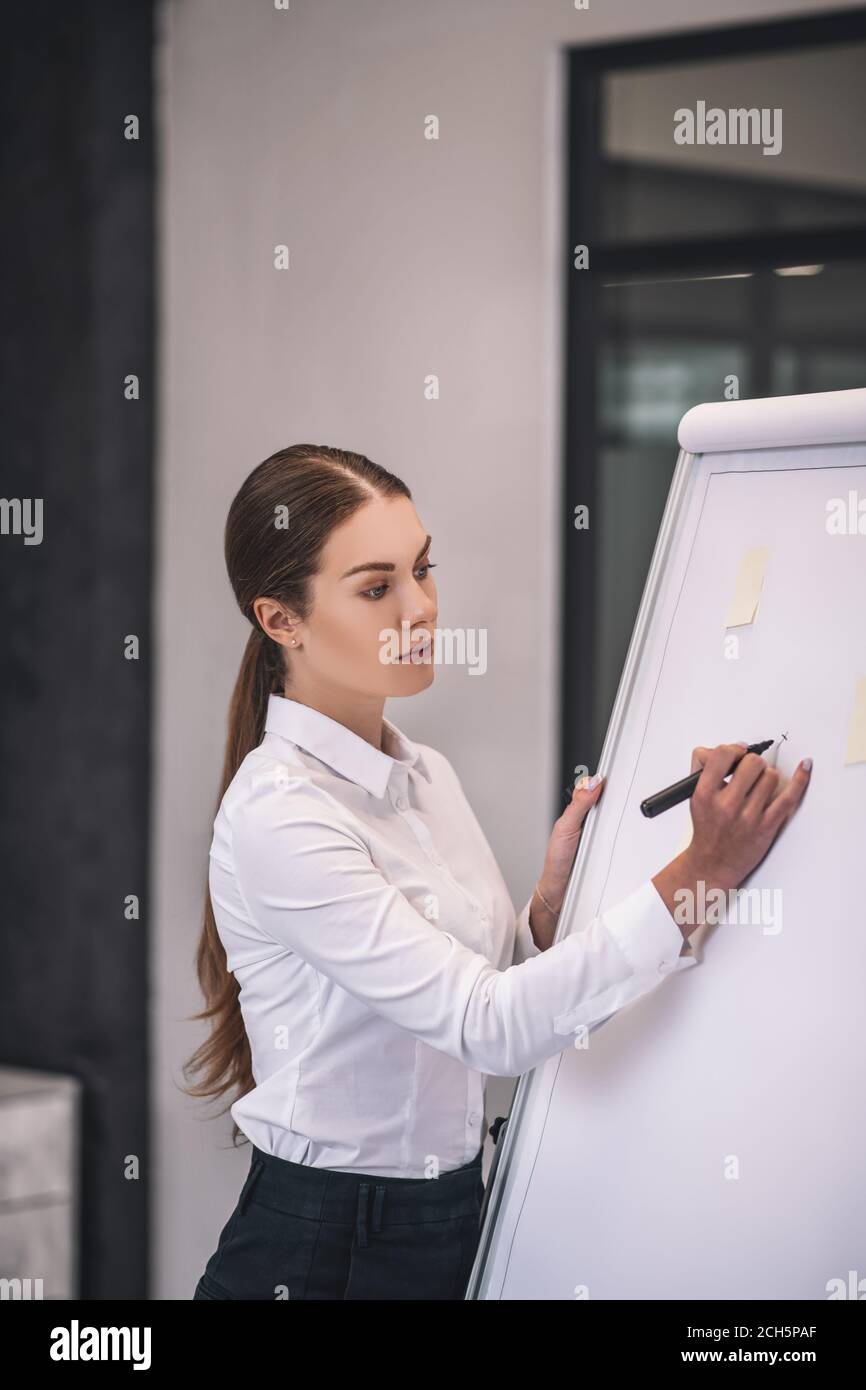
709,1139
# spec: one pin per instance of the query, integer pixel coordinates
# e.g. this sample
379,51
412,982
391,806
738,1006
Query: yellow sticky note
856,750
747,592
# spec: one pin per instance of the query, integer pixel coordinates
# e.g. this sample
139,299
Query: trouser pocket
257,1167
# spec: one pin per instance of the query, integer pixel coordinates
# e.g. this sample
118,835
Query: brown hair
277,527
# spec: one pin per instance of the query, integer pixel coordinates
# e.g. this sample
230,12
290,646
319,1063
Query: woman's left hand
564,839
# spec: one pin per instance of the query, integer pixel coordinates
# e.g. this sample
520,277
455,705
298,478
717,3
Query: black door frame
586,68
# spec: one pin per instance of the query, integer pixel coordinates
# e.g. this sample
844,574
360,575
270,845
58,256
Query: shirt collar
344,751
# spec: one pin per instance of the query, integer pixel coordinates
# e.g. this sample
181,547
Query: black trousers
304,1232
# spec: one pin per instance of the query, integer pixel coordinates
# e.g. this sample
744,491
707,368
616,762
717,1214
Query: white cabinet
39,1123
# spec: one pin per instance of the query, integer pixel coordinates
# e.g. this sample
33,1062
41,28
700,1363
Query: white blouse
382,972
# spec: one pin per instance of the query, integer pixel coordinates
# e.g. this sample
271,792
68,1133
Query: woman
360,960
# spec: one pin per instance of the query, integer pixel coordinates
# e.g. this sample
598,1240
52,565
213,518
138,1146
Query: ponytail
224,1058
258,676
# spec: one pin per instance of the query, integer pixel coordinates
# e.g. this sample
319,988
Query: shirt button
474,1118
402,803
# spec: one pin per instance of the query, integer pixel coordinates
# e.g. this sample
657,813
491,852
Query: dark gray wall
78,287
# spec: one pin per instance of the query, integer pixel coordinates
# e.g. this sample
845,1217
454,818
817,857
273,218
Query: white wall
408,257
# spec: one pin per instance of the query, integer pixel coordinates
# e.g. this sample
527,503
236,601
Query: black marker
681,791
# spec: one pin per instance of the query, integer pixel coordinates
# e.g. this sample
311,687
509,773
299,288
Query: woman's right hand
734,822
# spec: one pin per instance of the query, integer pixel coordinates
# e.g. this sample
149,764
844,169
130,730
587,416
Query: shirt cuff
647,934
524,944
651,943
